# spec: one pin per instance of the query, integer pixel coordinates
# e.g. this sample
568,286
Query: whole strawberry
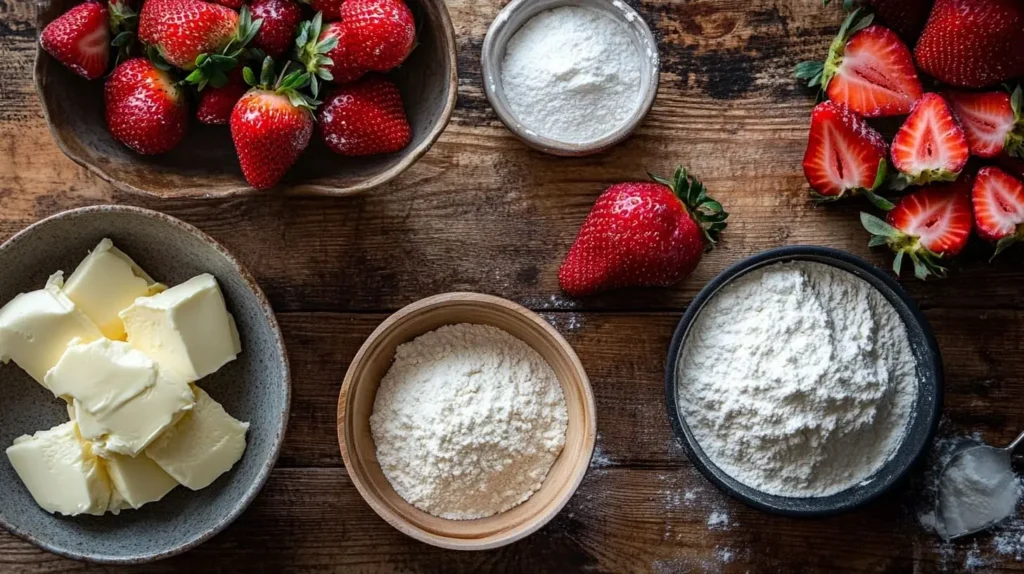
145,108
331,9
643,234
364,118
927,226
271,125
868,69
973,43
216,104
280,19
80,39
998,200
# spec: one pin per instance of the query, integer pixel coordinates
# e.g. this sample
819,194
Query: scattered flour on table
798,379
718,520
572,74
468,421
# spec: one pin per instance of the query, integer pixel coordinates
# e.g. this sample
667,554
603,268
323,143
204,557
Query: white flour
978,489
572,74
798,379
468,421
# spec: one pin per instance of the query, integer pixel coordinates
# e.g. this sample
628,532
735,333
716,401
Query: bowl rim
43,61
241,504
491,74
383,509
895,469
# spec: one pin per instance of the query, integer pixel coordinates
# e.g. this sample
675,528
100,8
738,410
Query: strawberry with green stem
998,200
930,146
928,226
845,156
313,49
992,121
124,26
272,123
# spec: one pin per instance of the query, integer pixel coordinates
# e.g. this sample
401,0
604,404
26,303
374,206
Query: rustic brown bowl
205,165
355,404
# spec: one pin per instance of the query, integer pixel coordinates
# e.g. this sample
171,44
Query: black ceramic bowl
920,428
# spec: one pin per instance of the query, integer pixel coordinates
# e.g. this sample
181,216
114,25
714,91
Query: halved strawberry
869,69
844,154
992,121
998,207
930,146
928,225
80,39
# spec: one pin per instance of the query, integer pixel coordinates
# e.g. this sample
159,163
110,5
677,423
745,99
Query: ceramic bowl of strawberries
188,98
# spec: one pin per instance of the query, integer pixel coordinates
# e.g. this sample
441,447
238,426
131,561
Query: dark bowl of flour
804,381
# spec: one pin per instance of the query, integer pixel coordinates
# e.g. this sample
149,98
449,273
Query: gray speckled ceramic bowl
254,388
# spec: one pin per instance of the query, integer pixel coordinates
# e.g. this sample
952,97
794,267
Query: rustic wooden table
481,212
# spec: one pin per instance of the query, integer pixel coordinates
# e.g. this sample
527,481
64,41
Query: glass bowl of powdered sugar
570,77
804,381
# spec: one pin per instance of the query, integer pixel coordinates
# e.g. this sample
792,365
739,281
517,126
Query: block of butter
205,444
61,472
138,480
36,327
186,329
107,282
123,399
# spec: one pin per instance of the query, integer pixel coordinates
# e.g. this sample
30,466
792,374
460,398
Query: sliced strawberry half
844,154
80,39
992,121
930,146
998,200
927,226
869,69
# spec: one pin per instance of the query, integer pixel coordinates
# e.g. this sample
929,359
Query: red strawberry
844,154
184,29
145,108
906,17
992,121
928,225
364,118
215,104
280,20
271,125
345,66
233,4
331,9
642,234
80,39
998,207
930,146
973,43
868,69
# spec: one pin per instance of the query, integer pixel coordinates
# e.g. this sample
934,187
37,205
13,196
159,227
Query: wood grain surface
482,212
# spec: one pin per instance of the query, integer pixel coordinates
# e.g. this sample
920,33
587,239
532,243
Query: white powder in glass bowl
798,379
572,74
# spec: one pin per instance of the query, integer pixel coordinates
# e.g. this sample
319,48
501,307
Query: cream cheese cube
122,399
205,444
36,327
186,329
138,480
61,472
107,282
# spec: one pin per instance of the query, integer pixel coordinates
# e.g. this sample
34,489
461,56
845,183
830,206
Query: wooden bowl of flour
371,363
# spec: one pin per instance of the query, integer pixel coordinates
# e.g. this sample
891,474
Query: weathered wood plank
624,355
621,520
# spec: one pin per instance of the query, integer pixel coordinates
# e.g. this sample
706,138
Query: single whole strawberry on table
259,68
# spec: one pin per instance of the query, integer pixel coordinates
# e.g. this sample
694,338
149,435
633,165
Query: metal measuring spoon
973,451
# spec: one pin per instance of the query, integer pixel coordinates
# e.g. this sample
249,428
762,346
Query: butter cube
205,444
61,472
36,327
186,329
107,282
138,480
122,399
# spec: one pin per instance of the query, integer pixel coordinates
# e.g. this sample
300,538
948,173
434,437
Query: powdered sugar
572,74
468,421
798,379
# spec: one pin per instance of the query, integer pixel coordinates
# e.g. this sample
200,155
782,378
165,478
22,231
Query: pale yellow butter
186,329
205,444
61,472
138,480
122,399
107,282
36,327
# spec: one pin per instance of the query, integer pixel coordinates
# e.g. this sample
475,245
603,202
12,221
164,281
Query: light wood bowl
371,363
